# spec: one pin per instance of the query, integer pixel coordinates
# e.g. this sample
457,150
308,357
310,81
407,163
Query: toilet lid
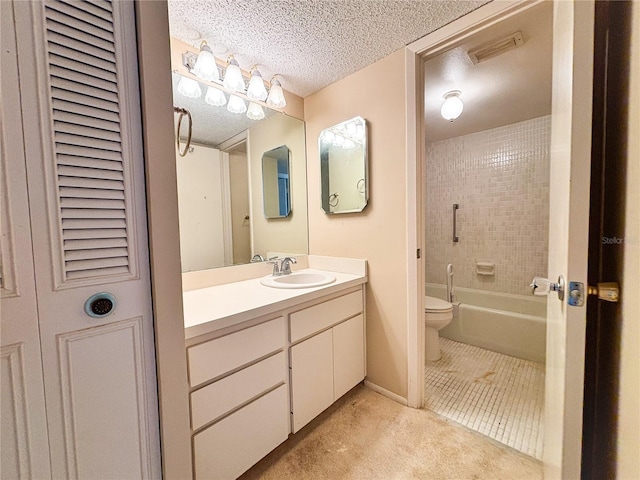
432,304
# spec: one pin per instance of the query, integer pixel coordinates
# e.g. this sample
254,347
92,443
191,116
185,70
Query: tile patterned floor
492,393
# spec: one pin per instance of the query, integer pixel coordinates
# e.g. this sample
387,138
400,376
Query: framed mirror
343,167
220,183
276,178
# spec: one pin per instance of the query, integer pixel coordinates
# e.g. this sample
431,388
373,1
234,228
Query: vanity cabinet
253,383
328,358
239,398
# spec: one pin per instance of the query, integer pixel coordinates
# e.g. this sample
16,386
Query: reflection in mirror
275,182
220,186
343,167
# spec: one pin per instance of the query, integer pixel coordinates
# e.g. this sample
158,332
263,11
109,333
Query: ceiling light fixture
276,95
233,76
452,106
256,89
205,66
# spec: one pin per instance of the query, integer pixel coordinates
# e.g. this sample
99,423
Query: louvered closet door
85,173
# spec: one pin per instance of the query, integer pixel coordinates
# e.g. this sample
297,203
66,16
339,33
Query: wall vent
495,47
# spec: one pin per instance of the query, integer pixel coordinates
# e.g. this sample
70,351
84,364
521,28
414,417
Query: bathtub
510,324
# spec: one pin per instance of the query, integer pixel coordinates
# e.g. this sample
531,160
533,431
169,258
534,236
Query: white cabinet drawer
220,397
313,319
221,355
231,446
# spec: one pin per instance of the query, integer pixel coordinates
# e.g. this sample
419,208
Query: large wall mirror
276,178
343,167
221,190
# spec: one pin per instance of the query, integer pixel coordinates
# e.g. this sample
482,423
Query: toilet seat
435,305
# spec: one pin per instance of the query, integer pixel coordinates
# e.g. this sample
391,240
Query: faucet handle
276,270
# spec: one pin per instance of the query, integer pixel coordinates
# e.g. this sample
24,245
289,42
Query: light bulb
255,111
233,76
189,87
256,89
452,106
205,66
215,97
276,95
348,143
338,140
236,104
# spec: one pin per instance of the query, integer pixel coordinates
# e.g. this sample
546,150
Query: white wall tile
500,179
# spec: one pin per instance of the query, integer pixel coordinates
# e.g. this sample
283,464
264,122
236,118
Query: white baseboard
386,393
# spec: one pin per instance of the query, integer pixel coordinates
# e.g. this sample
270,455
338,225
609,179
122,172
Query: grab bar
456,239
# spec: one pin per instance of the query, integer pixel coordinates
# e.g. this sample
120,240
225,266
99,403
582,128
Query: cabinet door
311,378
348,355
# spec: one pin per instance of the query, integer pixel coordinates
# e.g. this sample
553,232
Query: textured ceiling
502,90
310,43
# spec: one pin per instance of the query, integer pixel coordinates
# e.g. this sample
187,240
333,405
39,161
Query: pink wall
378,234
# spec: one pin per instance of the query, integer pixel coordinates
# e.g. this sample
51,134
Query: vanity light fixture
452,106
205,66
215,97
255,111
233,76
256,89
189,87
276,95
236,104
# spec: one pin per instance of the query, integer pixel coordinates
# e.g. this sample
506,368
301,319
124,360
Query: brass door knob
608,291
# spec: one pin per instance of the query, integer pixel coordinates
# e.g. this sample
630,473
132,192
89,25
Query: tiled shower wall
500,179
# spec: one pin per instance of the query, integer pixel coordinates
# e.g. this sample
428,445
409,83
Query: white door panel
87,206
568,233
24,445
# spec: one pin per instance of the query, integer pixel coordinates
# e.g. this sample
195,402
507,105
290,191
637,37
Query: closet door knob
100,305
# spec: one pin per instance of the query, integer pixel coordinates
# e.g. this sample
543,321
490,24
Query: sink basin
298,280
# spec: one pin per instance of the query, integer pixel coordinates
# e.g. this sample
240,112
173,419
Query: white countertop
212,308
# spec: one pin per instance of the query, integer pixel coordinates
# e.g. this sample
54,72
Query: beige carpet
367,436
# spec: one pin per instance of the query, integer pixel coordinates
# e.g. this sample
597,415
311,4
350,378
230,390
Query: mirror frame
325,195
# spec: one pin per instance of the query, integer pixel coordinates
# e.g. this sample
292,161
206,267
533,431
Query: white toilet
437,315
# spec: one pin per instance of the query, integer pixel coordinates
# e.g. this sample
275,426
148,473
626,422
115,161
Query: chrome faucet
284,268
285,265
